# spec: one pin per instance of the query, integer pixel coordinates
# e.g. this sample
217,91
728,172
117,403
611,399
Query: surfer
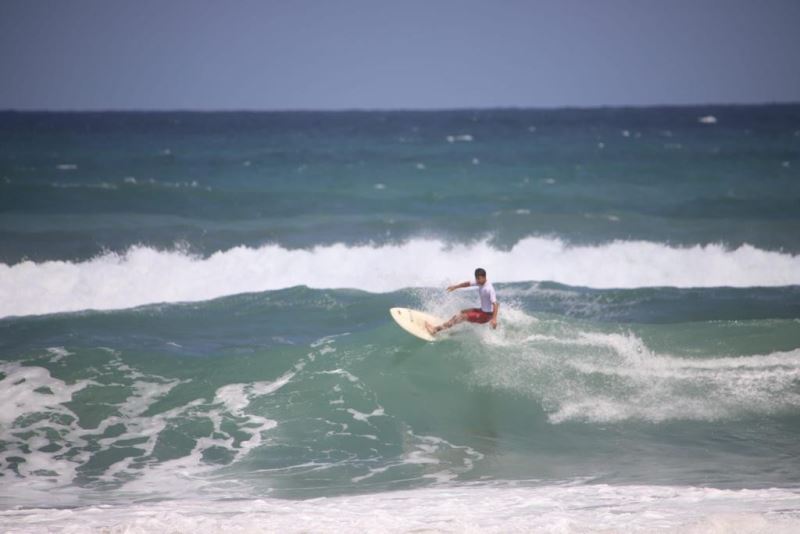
487,313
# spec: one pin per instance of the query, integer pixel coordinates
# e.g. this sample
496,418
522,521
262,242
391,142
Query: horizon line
399,109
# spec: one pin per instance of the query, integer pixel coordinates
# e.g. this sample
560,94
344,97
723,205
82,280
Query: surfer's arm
495,309
458,286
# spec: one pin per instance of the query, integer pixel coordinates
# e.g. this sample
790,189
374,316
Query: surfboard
413,322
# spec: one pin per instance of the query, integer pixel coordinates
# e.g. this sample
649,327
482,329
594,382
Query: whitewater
144,275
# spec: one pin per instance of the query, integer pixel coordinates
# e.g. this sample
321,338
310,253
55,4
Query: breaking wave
144,275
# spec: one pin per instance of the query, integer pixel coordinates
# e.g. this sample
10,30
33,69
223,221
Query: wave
148,415
128,182
583,375
144,275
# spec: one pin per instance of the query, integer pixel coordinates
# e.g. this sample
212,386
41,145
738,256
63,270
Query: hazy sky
180,54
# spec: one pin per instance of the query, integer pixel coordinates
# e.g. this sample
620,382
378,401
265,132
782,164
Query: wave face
267,394
143,275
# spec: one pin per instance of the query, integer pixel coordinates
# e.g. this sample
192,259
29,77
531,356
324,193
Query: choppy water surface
195,309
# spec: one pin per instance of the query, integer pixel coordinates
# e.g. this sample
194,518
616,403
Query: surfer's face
480,280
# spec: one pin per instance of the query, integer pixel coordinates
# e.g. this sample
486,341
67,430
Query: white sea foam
144,275
37,427
70,185
428,454
34,415
59,353
600,377
360,416
463,138
554,508
128,181
24,390
185,475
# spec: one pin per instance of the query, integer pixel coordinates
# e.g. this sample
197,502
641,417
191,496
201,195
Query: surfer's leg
454,320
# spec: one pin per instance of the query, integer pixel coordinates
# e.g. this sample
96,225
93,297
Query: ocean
195,335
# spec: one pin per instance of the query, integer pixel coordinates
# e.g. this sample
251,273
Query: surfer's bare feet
431,329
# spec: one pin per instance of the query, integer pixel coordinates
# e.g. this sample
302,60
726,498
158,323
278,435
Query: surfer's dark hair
480,272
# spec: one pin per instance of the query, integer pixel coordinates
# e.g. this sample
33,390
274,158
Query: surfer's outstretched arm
458,286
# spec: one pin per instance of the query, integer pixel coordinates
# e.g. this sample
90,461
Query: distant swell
144,275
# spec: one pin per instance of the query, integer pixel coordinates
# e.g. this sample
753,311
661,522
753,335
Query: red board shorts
477,315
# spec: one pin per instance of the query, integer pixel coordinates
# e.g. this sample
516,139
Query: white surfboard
413,322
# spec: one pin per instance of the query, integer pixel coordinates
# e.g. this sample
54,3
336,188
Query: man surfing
487,313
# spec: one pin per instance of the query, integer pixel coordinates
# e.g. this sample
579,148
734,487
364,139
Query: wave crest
144,275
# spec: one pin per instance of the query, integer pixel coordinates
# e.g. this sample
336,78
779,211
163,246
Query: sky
434,54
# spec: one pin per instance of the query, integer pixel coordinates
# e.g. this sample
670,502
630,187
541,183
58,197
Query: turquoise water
195,307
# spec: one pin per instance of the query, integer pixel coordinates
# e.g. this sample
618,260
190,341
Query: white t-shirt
488,297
